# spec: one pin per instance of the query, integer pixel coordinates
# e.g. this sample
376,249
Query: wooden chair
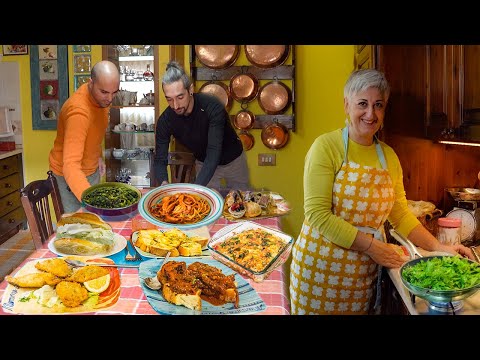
35,201
182,167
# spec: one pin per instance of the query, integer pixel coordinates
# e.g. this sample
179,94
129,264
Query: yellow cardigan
323,160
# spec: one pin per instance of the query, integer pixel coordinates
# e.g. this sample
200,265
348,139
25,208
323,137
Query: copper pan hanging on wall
217,56
220,90
244,119
244,87
275,135
274,97
267,56
247,140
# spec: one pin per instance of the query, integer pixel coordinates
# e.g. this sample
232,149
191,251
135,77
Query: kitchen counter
471,305
5,154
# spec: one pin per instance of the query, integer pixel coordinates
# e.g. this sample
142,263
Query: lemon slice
98,285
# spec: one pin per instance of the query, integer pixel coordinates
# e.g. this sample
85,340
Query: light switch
267,159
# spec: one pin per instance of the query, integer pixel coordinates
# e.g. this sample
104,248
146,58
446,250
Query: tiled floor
14,251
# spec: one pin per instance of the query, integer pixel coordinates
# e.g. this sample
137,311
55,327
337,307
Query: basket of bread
244,205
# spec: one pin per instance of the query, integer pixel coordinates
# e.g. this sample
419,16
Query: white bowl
214,199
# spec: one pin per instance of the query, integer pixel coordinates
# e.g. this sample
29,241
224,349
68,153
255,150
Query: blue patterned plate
249,301
214,199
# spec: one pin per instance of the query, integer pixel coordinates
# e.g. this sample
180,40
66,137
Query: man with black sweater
201,123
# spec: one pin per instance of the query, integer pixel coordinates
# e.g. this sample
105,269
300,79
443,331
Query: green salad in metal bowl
443,273
111,199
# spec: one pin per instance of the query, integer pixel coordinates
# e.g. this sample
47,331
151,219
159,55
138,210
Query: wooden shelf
283,72
263,120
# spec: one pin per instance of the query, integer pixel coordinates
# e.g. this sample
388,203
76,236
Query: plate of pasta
183,206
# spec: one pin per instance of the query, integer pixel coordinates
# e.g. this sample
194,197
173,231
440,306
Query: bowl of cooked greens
111,199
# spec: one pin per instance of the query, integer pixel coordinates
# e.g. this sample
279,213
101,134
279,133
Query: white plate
202,231
120,243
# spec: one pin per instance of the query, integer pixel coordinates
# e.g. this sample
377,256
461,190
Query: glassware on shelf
148,75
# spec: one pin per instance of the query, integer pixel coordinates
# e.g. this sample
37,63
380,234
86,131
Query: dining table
132,300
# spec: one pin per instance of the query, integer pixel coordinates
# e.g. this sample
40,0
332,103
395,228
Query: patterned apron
326,278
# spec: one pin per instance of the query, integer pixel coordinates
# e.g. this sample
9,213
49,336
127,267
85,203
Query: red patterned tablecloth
132,301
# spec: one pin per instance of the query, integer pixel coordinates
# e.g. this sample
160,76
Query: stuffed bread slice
80,247
93,220
83,239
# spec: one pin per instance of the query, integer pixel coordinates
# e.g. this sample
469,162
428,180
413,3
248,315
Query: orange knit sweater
78,146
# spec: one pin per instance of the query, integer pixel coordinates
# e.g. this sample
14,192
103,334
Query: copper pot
275,135
274,97
220,90
217,56
244,87
267,56
247,140
244,120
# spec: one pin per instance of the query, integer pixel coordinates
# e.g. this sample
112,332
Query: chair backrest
35,201
182,167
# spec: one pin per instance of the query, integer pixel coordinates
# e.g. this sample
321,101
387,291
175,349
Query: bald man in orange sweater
76,157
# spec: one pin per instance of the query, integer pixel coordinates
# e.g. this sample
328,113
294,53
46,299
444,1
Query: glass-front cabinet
130,134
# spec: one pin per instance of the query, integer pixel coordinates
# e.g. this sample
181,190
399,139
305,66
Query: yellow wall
321,71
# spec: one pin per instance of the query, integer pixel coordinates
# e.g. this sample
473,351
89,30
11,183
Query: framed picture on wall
81,48
15,49
49,76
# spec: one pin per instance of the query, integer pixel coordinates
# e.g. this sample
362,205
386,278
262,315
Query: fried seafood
55,266
36,280
87,273
71,293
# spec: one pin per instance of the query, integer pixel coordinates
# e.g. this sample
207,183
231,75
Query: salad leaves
443,273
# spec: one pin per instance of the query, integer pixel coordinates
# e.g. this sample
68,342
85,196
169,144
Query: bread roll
80,247
84,218
253,209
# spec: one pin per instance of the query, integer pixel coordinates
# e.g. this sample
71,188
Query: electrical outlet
267,159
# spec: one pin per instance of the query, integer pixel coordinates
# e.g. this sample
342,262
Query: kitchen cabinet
435,90
364,56
12,215
392,303
132,116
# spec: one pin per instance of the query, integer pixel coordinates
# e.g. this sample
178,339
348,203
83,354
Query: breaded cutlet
55,266
35,280
71,293
87,273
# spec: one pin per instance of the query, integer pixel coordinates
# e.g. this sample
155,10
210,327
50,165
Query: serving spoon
152,282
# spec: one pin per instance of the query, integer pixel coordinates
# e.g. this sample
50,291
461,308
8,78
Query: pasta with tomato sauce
181,208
